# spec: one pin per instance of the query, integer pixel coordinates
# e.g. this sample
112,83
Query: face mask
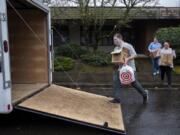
117,41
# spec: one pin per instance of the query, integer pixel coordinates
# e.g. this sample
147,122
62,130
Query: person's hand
118,63
126,61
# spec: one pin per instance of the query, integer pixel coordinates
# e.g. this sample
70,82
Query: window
90,36
107,41
61,34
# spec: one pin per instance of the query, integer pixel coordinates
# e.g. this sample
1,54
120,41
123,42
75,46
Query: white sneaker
154,73
157,72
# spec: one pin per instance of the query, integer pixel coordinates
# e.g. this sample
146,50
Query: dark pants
0,67
168,71
117,86
155,62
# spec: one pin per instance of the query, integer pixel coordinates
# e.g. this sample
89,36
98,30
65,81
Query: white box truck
26,72
25,35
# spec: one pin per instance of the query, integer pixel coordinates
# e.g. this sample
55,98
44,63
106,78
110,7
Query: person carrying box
126,54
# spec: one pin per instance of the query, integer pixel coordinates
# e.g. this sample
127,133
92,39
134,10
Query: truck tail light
8,106
5,43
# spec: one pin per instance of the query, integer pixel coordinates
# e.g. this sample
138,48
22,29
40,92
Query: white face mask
117,41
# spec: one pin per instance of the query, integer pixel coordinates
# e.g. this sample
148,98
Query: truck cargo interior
28,40
30,75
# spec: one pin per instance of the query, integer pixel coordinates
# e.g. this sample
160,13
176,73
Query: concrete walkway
161,116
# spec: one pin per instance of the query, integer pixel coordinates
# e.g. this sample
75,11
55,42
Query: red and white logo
126,75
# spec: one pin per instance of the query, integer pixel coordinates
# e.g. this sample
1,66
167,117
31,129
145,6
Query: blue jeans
155,62
117,86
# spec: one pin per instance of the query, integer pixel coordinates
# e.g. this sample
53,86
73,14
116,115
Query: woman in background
166,62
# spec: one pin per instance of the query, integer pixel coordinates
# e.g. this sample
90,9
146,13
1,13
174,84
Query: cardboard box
166,59
119,57
155,53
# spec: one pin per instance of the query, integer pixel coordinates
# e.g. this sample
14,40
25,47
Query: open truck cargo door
77,107
27,72
29,30
5,78
25,37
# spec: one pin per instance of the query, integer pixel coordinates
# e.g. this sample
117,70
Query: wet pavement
24,123
161,116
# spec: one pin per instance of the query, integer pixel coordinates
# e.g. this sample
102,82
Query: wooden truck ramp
76,106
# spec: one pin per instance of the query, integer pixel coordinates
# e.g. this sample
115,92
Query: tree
94,14
171,34
129,13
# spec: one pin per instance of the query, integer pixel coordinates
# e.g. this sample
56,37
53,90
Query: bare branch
94,13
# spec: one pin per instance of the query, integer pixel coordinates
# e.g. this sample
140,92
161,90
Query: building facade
139,34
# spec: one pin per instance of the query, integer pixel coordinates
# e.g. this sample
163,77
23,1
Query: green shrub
63,64
172,34
70,50
96,59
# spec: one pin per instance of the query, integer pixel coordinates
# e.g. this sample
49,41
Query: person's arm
174,53
149,47
128,59
133,54
160,46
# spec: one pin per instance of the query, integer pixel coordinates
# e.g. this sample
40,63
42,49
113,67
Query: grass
177,69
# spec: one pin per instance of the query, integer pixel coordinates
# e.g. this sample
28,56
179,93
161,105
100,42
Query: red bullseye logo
126,77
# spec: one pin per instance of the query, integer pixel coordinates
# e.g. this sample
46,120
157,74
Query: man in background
154,49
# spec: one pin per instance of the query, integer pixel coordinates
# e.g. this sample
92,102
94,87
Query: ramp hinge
3,17
7,84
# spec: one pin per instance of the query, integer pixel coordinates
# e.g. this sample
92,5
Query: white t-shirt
131,52
167,51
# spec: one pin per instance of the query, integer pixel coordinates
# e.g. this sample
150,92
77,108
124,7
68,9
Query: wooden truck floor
22,91
82,107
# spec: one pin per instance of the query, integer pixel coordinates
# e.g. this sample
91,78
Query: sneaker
154,73
146,98
157,72
115,101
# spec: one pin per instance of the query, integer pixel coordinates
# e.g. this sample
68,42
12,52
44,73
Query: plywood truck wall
29,53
